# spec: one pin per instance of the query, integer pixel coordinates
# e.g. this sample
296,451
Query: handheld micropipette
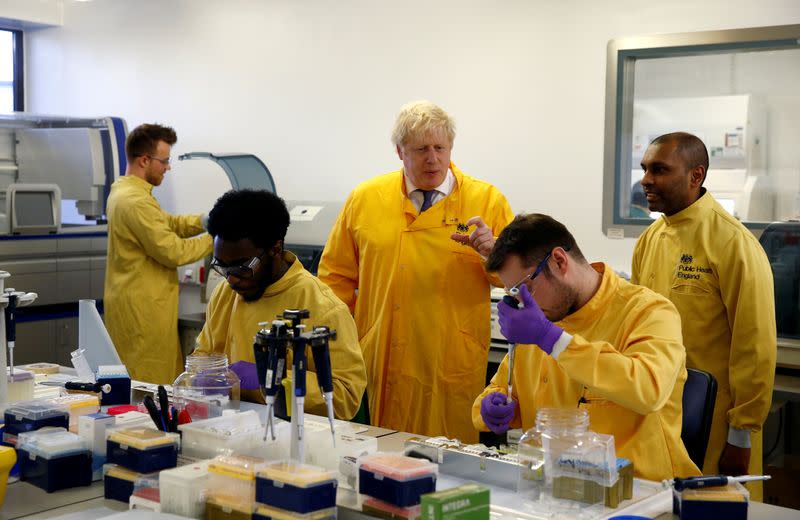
710,481
320,349
270,355
11,328
514,304
299,344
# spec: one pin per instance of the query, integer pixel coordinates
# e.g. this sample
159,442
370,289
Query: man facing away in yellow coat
262,281
420,299
145,247
718,276
587,338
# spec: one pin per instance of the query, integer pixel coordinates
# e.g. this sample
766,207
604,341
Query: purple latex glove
248,375
528,325
497,412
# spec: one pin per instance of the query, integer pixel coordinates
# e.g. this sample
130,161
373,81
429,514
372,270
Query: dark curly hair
258,215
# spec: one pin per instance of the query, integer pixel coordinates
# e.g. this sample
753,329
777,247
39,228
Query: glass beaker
207,387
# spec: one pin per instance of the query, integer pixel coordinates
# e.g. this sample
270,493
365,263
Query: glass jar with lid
207,387
556,430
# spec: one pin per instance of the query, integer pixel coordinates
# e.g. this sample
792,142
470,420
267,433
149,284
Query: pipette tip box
142,449
118,482
183,489
263,512
116,376
300,488
28,416
233,477
396,479
222,508
729,502
53,459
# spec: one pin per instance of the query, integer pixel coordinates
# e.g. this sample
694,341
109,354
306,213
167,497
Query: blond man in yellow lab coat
587,338
262,281
420,299
718,276
145,247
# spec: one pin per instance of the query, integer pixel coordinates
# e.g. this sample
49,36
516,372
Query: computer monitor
34,208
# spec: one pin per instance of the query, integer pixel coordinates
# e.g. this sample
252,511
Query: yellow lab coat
422,306
626,361
145,247
716,273
232,323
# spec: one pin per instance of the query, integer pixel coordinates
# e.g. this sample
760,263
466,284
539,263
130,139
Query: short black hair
144,139
691,148
531,237
258,215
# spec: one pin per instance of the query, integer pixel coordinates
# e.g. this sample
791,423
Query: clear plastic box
395,478
27,416
301,488
320,450
233,478
142,449
54,459
77,405
233,434
146,493
50,443
183,489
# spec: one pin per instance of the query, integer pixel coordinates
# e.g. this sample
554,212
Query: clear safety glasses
243,270
514,290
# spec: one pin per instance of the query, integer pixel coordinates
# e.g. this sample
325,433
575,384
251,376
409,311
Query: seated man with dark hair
588,339
263,279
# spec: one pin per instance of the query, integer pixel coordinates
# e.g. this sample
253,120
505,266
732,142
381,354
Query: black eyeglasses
243,270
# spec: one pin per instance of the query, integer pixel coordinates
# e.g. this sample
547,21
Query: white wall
312,86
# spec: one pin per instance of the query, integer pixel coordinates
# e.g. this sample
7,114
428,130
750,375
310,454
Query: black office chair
699,394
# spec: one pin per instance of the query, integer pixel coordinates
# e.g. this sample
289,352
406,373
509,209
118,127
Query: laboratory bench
24,500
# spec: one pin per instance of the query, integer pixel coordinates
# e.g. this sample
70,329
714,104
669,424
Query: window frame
622,54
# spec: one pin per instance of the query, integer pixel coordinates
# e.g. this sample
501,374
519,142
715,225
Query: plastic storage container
233,478
183,489
207,387
221,508
146,493
20,385
77,405
300,488
53,459
232,434
118,482
29,416
263,512
729,502
142,449
396,479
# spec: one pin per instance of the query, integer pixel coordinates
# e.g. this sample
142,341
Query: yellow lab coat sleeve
141,283
231,325
420,300
629,377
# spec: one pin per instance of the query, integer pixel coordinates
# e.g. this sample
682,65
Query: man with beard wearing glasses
719,278
586,338
263,280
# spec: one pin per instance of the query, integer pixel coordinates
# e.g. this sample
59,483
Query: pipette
710,481
512,347
320,349
11,328
269,349
299,344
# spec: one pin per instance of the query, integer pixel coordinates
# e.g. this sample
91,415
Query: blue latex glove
528,325
248,375
497,412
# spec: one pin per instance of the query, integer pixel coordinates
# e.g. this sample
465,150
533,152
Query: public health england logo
686,259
